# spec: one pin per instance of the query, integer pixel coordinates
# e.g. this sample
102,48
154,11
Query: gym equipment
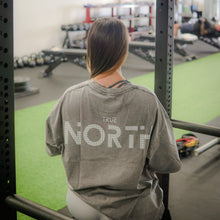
186,144
20,63
68,43
47,59
211,40
32,60
179,44
25,60
33,209
76,55
15,63
206,146
39,59
23,87
143,50
79,44
130,16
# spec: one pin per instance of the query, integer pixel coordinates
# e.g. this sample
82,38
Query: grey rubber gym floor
194,191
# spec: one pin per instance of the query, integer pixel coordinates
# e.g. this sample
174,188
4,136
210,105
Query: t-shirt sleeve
54,130
163,154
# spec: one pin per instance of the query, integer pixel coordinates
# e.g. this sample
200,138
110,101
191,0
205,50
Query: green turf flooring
40,178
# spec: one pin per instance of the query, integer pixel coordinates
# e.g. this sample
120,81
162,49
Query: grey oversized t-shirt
112,142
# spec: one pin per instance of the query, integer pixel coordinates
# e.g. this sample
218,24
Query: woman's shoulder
142,89
76,87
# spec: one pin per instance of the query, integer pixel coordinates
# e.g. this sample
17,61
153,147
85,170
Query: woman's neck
106,79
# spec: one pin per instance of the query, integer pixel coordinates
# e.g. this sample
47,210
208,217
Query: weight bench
77,56
179,44
143,50
211,40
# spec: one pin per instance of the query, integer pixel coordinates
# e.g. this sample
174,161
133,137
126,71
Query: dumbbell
32,61
15,63
20,63
74,27
39,59
48,59
25,60
81,27
63,27
87,26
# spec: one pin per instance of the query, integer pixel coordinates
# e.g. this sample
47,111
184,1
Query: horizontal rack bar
33,209
204,129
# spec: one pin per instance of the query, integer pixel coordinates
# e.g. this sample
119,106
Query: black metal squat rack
9,201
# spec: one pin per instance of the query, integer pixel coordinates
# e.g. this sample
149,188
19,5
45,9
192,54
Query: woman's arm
54,130
163,154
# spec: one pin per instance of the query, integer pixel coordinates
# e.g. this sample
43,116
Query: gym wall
37,22
212,9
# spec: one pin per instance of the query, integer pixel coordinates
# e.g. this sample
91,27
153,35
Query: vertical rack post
7,146
150,15
164,67
131,25
88,18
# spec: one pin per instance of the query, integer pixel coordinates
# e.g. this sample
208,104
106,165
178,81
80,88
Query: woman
113,136
201,28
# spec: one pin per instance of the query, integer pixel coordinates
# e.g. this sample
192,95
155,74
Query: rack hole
5,35
7,153
5,50
5,5
6,65
5,20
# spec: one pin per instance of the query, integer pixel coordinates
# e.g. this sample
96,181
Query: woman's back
113,141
